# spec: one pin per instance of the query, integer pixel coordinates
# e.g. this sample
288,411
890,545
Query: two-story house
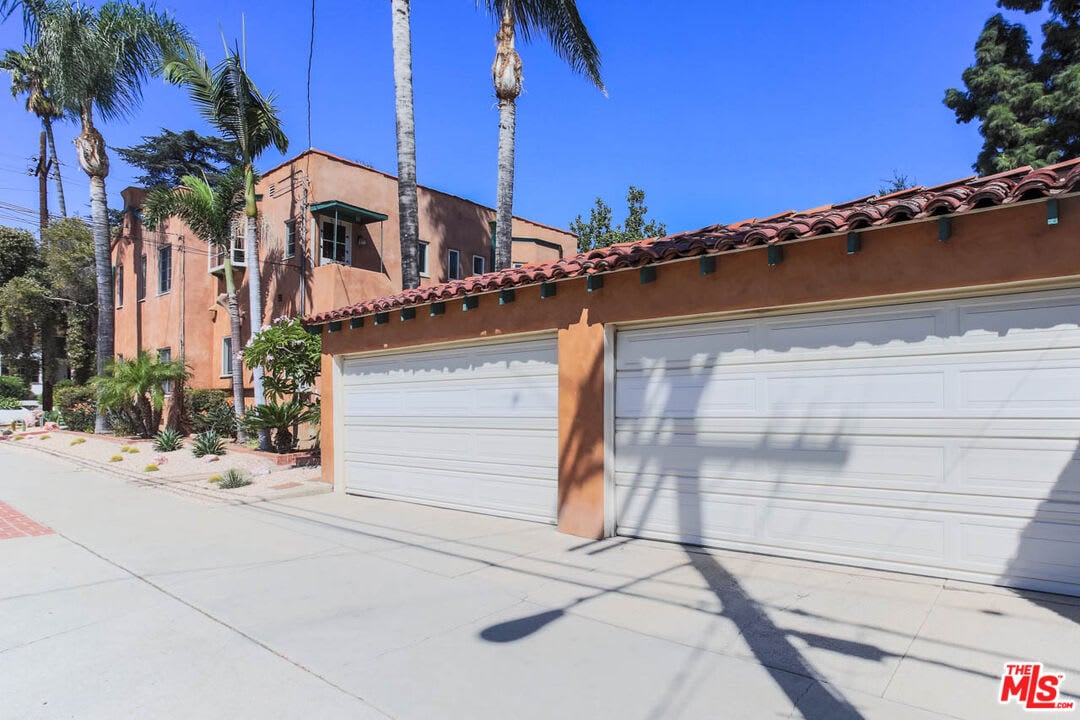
329,236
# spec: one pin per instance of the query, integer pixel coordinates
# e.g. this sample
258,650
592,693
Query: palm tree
136,389
209,210
28,78
560,22
229,100
406,145
96,61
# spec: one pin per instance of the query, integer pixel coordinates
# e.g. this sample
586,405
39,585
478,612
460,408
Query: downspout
382,264
303,249
183,296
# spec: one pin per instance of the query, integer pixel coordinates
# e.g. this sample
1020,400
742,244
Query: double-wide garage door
938,438
473,428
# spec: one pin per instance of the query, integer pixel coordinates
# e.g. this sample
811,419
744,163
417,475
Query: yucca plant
168,441
279,417
233,478
207,443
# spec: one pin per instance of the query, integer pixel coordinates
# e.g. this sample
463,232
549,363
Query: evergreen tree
1028,110
598,231
167,157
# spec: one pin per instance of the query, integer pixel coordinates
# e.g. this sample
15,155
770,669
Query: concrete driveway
144,603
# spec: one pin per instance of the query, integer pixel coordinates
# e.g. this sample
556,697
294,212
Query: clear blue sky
720,111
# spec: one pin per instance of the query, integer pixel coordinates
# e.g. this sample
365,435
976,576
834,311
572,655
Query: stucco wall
1007,245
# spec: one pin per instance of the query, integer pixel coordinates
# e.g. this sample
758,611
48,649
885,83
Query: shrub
216,478
20,437
151,468
116,458
119,422
9,403
210,410
13,386
77,406
51,416
128,449
6,433
78,441
207,443
44,437
279,417
233,478
168,441
135,389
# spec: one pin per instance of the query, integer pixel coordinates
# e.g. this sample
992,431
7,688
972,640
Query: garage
938,438
468,427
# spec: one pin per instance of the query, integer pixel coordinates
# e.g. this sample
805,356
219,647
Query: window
477,264
226,356
453,265
517,265
290,238
335,242
237,238
421,258
140,280
119,286
164,269
165,355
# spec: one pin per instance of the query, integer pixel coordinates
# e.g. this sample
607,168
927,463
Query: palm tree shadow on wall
770,645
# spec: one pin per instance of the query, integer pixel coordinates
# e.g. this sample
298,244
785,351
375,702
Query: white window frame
238,241
339,223
118,285
226,356
483,264
453,264
164,276
290,235
422,258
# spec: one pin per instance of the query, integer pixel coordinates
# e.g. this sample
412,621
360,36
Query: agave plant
207,443
233,478
279,417
168,441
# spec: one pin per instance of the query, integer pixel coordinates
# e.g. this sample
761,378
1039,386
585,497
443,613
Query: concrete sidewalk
149,604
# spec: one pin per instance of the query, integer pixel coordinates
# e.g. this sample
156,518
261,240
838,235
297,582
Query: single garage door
473,428
938,438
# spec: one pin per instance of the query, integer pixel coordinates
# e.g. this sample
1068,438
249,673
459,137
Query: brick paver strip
14,524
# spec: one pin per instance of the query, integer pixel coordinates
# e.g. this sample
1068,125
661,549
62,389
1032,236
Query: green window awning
347,212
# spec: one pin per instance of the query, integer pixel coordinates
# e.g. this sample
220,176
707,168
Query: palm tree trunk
251,255
406,145
43,186
95,162
54,161
234,330
506,74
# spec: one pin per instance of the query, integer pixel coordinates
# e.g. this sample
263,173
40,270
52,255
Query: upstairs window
140,279
164,269
236,247
290,238
119,285
334,246
453,265
478,264
421,258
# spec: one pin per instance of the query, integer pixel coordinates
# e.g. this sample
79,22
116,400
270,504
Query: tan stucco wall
1007,245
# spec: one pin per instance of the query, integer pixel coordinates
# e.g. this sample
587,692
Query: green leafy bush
51,416
168,441
279,417
13,386
116,458
77,405
233,478
151,468
207,443
210,410
9,403
135,389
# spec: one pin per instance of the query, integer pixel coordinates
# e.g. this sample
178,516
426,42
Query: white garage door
471,428
938,438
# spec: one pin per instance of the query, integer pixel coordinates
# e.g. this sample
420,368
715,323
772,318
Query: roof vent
271,192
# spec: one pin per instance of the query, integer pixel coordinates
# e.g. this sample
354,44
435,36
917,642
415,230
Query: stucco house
329,236
891,382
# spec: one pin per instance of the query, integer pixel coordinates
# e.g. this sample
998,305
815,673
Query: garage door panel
938,437
471,427
529,450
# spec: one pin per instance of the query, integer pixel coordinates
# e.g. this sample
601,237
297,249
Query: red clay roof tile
919,202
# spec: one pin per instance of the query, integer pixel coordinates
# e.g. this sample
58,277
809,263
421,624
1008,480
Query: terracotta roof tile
872,211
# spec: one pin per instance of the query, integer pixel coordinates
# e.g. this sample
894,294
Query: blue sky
720,111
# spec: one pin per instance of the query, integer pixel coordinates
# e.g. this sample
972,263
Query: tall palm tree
28,78
209,210
406,145
229,100
96,60
559,21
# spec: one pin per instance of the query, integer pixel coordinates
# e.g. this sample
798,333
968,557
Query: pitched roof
917,203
